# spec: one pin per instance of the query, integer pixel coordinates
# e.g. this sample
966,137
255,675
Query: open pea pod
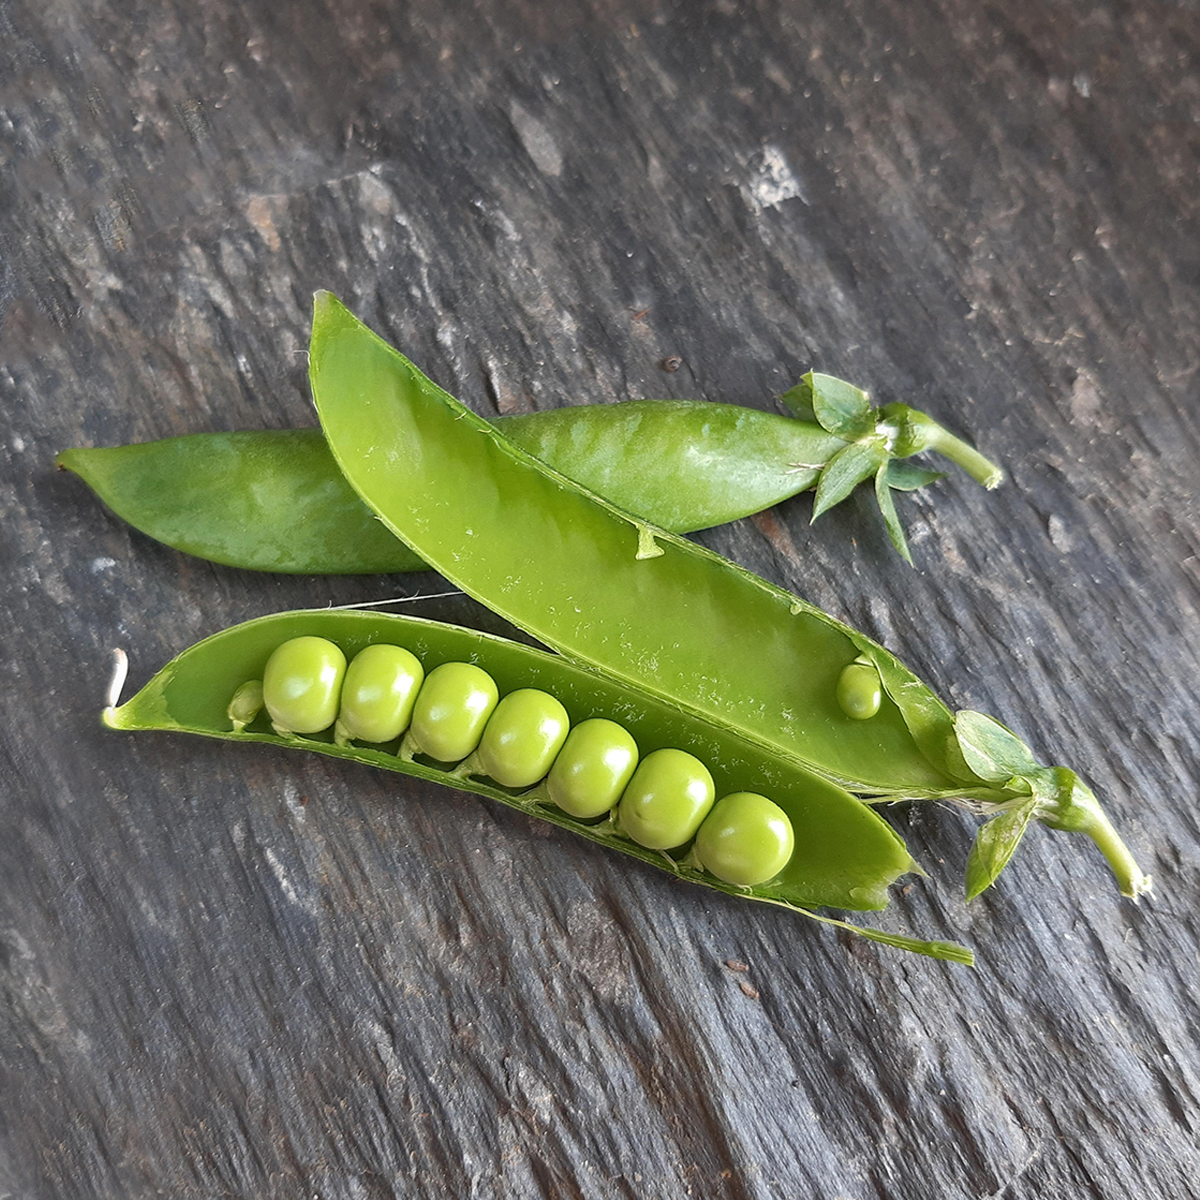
845,856
644,606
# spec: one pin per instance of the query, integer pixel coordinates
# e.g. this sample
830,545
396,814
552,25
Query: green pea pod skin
681,464
602,586
274,500
269,500
846,856
642,605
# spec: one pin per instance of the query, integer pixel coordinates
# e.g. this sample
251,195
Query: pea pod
657,612
845,856
274,500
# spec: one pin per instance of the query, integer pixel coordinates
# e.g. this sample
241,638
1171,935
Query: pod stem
1130,880
914,431
980,468
471,765
1070,805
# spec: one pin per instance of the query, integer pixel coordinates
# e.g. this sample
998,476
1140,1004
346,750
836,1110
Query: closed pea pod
378,694
274,499
846,856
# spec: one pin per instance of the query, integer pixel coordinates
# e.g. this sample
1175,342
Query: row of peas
524,740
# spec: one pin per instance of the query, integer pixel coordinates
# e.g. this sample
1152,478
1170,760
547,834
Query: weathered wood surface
236,972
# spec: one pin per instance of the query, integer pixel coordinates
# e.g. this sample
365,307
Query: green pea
378,695
452,708
302,682
523,737
593,768
669,795
246,704
745,840
859,692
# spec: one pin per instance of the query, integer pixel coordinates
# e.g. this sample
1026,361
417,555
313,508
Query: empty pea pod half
536,732
274,500
656,613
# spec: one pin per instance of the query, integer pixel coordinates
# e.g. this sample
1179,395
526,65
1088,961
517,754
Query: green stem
946,951
981,469
1130,880
915,431
1075,809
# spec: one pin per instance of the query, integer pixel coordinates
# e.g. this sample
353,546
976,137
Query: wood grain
233,972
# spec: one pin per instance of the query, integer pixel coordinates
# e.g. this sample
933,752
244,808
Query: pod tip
325,302
111,717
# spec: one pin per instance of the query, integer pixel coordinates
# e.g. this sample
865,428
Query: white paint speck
102,564
1083,85
18,443
772,180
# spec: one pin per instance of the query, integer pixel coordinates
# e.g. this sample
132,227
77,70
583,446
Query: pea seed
302,682
745,840
859,692
246,704
593,768
523,737
452,709
669,795
378,694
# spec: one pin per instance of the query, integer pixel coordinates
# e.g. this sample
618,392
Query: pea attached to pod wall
450,713
521,739
593,769
859,689
745,840
302,685
666,800
378,694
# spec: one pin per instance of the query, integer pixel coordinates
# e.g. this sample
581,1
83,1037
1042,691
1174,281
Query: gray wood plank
233,972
